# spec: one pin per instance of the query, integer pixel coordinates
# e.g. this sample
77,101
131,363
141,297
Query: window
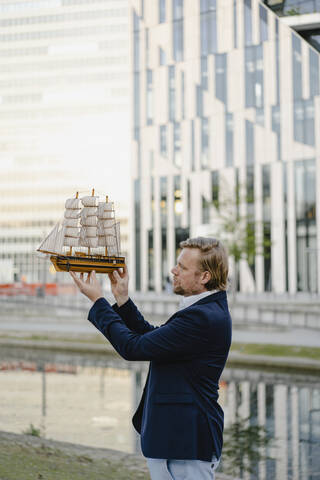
248,22
266,199
254,80
314,72
162,57
163,140
229,139
193,153
306,235
276,127
249,143
263,13
221,77
178,205
177,25
182,95
235,24
208,27
304,126
296,67
177,160
164,217
172,93
177,9
163,201
204,72
149,98
162,11
137,216
136,109
199,100
204,142
215,187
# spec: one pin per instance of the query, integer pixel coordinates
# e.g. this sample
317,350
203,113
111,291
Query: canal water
89,400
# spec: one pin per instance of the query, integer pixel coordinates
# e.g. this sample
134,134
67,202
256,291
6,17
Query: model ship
88,238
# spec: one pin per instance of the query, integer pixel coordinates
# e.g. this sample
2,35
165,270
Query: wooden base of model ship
86,264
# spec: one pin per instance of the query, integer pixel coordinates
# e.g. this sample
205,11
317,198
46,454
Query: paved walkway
296,336
76,323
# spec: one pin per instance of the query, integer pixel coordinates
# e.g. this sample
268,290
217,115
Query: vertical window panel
296,67
182,95
172,93
221,77
235,24
162,11
149,97
249,143
163,140
177,160
229,140
314,73
248,22
263,16
204,142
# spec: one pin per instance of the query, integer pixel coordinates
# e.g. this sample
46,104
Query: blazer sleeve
132,317
181,338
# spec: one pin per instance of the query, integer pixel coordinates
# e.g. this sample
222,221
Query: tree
243,447
240,233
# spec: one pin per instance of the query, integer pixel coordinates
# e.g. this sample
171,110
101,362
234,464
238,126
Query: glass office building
226,105
64,111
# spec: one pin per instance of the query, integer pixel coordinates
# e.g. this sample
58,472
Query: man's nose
174,270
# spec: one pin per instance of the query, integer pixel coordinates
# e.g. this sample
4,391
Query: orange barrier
36,289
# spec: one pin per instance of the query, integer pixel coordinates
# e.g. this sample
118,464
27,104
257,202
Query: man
178,417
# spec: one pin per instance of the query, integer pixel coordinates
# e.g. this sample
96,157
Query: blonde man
178,418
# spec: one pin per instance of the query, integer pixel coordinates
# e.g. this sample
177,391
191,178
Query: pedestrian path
295,336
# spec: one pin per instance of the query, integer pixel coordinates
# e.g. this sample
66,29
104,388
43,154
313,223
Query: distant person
179,418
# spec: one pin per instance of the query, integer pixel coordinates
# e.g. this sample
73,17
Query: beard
178,290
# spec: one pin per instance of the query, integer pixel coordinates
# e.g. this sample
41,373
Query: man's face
187,277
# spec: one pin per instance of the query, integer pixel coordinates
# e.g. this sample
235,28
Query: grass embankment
33,459
276,350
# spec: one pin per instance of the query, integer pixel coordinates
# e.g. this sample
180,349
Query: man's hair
214,259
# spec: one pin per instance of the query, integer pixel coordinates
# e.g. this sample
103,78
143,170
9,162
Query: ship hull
87,264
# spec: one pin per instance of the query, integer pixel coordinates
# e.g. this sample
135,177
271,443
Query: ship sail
71,222
87,223
113,240
53,243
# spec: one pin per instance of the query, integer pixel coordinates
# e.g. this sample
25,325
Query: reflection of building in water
226,101
64,111
290,414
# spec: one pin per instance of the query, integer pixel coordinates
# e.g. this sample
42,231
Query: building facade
64,104
226,107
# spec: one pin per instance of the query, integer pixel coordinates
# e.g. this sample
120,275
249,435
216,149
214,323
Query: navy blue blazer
178,416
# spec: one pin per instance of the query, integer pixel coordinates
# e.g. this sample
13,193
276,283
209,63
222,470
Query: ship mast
92,194
70,251
106,249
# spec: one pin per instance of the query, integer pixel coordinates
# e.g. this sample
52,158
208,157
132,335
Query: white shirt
187,301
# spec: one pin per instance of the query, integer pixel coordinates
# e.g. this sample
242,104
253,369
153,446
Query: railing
299,310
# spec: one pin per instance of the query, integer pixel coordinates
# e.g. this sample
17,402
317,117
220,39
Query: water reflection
89,399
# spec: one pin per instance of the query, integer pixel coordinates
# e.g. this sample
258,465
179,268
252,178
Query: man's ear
206,277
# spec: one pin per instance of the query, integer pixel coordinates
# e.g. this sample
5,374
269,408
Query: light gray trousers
161,469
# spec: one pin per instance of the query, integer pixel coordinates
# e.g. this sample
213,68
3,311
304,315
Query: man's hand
119,285
90,287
